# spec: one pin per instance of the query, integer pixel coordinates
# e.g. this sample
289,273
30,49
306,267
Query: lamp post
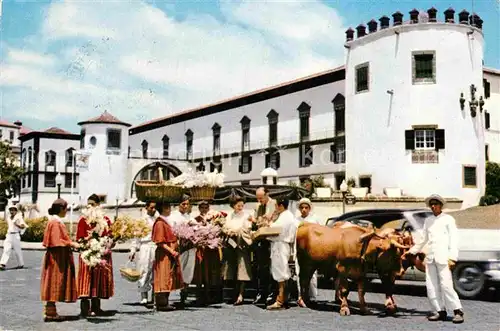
343,189
59,181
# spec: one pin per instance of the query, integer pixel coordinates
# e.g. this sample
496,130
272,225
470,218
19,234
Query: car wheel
468,280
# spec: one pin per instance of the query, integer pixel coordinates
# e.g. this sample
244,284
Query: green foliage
318,181
35,230
3,229
492,194
351,182
10,172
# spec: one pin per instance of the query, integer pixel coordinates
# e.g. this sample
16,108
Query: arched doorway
150,172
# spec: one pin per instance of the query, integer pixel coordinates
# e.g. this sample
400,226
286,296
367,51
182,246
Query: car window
395,224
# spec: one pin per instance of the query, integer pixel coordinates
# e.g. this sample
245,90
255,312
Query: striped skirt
208,267
58,276
95,282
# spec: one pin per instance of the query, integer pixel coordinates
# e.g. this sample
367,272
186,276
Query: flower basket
202,192
130,274
153,190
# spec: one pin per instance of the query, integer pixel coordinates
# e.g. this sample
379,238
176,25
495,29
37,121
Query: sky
66,61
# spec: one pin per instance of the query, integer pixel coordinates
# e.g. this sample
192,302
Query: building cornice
48,135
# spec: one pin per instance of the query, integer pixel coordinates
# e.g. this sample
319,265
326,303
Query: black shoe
2,267
259,299
459,316
438,316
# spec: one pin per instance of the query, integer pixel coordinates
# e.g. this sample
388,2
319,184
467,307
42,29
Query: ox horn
398,245
366,236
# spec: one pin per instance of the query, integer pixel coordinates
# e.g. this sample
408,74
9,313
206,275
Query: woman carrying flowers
166,267
95,267
58,268
237,253
207,272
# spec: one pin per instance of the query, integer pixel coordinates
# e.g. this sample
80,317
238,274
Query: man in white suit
13,238
441,235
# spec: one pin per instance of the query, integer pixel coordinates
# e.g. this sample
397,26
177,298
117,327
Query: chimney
432,15
449,15
361,30
384,22
414,16
349,34
474,20
463,17
372,26
397,18
18,123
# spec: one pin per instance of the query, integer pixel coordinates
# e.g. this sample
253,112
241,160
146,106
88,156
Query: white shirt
311,218
137,242
287,222
441,235
14,222
176,217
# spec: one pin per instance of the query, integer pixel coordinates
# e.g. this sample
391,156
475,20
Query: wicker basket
202,193
130,274
153,190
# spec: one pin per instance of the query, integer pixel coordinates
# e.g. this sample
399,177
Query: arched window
70,156
144,149
166,145
50,158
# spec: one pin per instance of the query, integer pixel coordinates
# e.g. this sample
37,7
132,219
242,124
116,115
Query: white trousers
440,289
145,266
313,285
188,263
12,242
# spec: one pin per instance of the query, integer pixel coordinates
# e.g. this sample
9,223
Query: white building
401,115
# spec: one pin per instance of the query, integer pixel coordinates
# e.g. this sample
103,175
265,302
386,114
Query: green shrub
493,179
35,230
4,226
488,200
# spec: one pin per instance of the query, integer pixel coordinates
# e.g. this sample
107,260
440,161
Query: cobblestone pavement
21,309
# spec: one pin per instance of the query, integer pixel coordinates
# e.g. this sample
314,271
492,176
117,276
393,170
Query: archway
150,172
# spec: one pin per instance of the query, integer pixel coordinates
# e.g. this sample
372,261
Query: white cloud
139,63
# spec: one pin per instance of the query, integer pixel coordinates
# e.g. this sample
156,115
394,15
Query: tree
10,173
492,194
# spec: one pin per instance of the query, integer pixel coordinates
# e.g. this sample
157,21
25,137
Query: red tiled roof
104,118
7,124
57,130
24,130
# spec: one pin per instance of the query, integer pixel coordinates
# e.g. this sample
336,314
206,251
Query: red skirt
58,276
167,272
208,267
95,282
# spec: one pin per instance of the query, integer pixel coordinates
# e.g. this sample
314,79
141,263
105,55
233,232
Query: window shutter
487,87
249,163
486,120
277,160
267,161
440,139
219,168
309,155
333,155
240,166
409,140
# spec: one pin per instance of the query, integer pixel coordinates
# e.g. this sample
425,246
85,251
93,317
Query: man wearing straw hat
305,208
441,235
13,238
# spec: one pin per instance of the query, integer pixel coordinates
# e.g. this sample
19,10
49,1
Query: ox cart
222,196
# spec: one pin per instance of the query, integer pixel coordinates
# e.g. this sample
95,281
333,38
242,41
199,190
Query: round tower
413,105
105,140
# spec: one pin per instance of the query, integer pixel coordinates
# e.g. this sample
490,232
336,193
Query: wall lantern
462,101
473,103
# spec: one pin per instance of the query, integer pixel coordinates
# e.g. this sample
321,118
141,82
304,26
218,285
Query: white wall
375,131
6,130
107,172
321,126
492,106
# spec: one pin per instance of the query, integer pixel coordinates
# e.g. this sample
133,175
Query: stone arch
149,172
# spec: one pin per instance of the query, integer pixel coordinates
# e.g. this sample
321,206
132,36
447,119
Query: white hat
436,197
306,201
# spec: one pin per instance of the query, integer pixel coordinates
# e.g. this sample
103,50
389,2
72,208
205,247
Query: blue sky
63,62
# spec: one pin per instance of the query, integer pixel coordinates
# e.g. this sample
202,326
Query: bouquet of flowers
125,228
216,217
197,236
192,178
96,245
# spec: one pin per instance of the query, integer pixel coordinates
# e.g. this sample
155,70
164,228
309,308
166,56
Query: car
478,265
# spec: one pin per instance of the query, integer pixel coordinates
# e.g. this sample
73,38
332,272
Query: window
69,157
304,115
425,142
337,151
114,139
469,176
189,144
50,158
486,153
50,179
366,181
30,157
272,117
67,180
487,88
339,178
11,136
362,77
487,120
305,155
200,167
245,133
273,160
82,139
23,153
144,145
424,67
166,145
245,164
216,139
425,139
339,109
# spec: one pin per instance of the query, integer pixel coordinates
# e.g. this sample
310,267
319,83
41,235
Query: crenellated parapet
416,17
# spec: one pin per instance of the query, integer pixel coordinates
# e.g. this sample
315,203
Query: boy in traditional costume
94,282
58,268
166,268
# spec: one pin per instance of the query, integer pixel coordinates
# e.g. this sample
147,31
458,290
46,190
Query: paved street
20,309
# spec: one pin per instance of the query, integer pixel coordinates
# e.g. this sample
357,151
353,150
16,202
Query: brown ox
344,252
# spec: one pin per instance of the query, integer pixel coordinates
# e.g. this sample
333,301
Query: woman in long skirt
167,267
58,268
